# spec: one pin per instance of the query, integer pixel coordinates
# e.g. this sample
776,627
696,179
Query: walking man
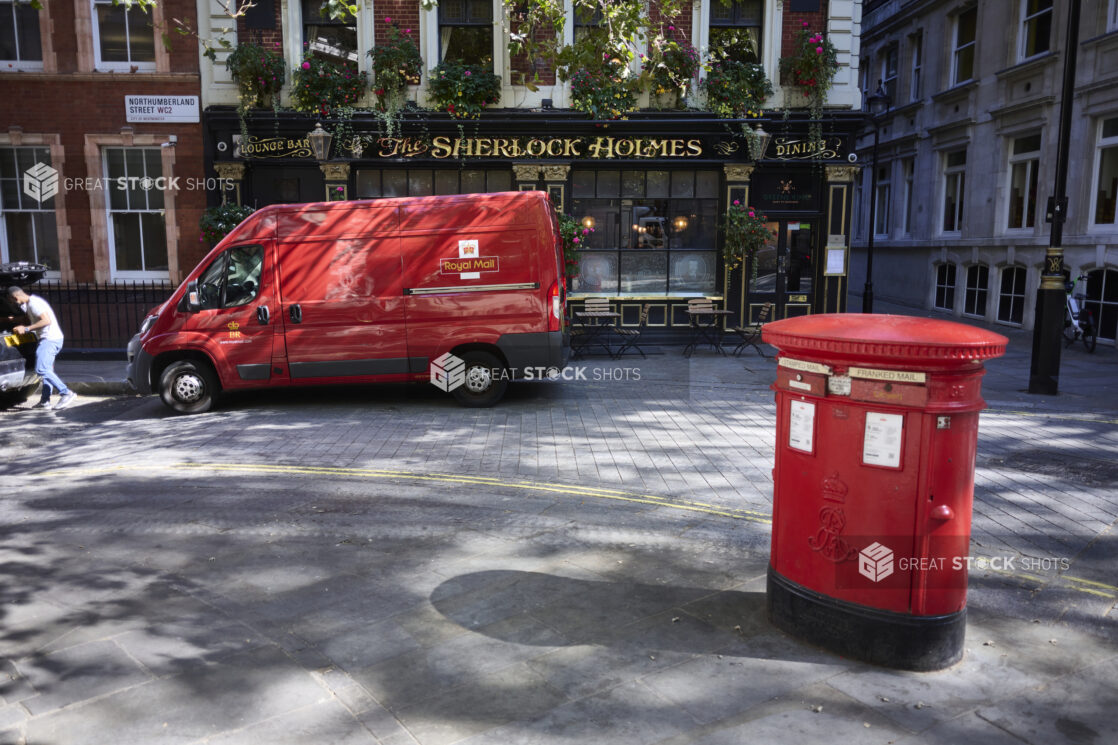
42,320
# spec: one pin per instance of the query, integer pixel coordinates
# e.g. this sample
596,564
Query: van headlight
147,324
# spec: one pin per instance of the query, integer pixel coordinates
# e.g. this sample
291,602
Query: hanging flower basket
746,233
463,91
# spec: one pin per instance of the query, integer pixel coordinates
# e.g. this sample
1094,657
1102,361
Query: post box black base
895,640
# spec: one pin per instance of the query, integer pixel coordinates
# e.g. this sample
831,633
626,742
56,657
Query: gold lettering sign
601,148
786,148
274,147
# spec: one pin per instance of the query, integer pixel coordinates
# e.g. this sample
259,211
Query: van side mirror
192,300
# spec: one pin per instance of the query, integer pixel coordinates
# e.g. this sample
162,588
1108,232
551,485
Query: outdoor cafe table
597,324
705,333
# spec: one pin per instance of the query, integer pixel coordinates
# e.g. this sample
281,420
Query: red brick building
90,91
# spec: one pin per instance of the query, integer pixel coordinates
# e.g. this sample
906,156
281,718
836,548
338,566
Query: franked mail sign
161,108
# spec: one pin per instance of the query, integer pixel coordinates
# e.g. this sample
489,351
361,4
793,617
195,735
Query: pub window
908,168
332,39
1023,164
978,283
1106,174
654,232
123,36
137,228
20,43
735,29
373,183
889,71
884,201
28,231
466,32
1036,27
945,287
962,60
954,190
1011,299
915,87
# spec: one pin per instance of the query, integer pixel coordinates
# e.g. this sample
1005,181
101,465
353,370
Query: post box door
848,478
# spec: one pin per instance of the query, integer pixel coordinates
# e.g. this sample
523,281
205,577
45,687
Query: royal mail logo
478,264
40,182
234,329
448,372
875,562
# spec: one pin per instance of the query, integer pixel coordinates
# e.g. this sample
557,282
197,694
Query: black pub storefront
650,192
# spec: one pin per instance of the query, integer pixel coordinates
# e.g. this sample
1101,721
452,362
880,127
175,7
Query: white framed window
736,29
888,78
945,287
466,32
28,226
1011,296
908,169
1036,28
954,189
1106,174
882,216
916,79
977,290
332,39
1024,162
136,220
21,44
962,56
123,37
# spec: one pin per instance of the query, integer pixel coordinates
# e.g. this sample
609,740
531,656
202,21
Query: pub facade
649,190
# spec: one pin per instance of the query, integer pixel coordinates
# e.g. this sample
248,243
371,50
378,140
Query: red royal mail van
365,291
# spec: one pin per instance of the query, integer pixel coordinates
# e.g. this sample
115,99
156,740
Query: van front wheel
188,387
485,380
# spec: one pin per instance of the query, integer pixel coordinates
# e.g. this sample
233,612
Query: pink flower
407,31
805,24
671,28
467,73
340,189
586,231
306,65
752,213
389,20
819,50
737,202
577,240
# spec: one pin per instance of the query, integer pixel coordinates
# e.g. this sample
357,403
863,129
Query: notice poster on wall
801,426
882,443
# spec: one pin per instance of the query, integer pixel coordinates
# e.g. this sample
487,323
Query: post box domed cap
899,341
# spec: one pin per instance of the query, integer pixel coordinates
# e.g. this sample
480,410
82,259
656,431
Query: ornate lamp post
758,142
878,102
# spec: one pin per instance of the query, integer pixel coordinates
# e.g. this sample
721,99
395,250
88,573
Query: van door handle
263,315
296,314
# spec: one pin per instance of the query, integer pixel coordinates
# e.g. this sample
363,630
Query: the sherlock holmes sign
589,148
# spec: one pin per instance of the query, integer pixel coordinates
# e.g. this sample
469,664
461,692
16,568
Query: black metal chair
631,335
750,335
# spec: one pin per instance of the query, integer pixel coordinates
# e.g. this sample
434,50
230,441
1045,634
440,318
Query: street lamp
878,103
320,142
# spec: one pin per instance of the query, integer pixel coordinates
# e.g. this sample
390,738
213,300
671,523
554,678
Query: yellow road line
582,491
1105,590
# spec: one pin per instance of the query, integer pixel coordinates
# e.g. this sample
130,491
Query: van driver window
232,279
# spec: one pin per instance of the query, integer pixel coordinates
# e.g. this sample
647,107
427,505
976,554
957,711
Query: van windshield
232,279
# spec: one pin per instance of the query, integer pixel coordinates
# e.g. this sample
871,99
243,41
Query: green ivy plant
319,86
396,65
669,68
463,91
746,233
736,90
218,222
260,74
811,70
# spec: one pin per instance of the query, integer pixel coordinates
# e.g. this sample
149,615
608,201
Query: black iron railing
101,315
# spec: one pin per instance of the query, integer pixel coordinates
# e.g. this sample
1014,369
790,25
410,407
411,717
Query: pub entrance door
781,272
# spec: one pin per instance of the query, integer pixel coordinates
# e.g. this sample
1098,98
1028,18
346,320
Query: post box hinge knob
943,512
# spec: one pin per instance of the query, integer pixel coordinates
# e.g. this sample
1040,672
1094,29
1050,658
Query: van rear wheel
485,380
188,387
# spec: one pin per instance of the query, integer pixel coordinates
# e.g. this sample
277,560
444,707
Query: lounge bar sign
271,147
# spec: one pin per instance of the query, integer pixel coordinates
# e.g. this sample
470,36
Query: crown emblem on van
234,329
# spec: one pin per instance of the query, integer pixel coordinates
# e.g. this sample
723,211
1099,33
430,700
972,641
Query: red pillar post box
877,426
